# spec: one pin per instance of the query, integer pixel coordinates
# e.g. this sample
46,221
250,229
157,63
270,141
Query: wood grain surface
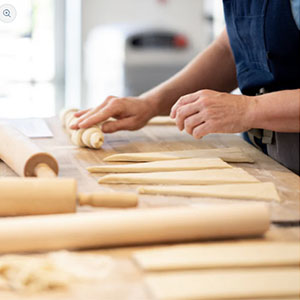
126,281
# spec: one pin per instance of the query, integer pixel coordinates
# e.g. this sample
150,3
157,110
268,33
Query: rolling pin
32,196
23,156
132,227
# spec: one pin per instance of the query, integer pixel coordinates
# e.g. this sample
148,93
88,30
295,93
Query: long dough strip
161,120
219,255
234,175
227,154
248,191
163,166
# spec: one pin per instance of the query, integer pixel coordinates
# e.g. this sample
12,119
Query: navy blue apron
265,42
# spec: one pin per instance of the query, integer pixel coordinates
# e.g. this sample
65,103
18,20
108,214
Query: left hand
207,111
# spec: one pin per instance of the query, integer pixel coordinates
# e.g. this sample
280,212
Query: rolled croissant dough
230,284
90,137
219,255
249,191
163,166
218,176
227,154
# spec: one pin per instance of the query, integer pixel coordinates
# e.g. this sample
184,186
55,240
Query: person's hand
129,113
207,111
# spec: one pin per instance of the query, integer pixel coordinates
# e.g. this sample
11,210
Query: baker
259,52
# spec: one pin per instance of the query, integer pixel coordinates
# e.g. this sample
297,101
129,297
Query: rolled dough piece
227,154
91,137
233,284
68,120
234,175
76,137
63,114
248,191
163,166
219,255
162,120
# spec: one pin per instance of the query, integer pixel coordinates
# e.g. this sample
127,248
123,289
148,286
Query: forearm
212,69
278,111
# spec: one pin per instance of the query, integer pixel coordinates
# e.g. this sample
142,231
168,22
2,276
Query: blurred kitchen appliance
126,61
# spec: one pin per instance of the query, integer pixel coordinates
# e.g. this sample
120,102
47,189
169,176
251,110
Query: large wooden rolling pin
33,196
132,227
23,156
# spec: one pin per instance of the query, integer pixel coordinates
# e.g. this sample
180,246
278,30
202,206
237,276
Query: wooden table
126,281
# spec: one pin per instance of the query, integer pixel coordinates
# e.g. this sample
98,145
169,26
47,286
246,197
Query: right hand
131,113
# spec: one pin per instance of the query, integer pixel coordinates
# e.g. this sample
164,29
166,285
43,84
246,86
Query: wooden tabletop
126,280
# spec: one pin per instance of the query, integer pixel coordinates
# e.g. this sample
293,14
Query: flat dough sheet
218,176
231,284
247,191
227,154
219,255
163,166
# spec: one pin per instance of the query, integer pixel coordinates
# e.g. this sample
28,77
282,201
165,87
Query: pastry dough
91,137
163,166
219,255
162,120
230,284
234,175
54,270
227,154
249,191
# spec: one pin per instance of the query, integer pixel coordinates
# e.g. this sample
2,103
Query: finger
123,124
81,112
84,116
78,114
182,101
102,115
93,111
193,121
184,112
201,130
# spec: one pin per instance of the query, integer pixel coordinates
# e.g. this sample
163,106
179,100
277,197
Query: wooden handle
23,156
109,199
132,227
44,171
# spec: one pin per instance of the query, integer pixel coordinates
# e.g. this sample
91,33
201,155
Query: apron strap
263,135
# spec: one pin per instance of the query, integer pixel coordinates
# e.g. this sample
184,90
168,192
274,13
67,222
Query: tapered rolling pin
23,156
33,196
132,227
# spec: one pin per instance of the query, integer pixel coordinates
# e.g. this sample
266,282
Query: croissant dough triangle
248,191
219,255
218,176
163,166
233,154
268,283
